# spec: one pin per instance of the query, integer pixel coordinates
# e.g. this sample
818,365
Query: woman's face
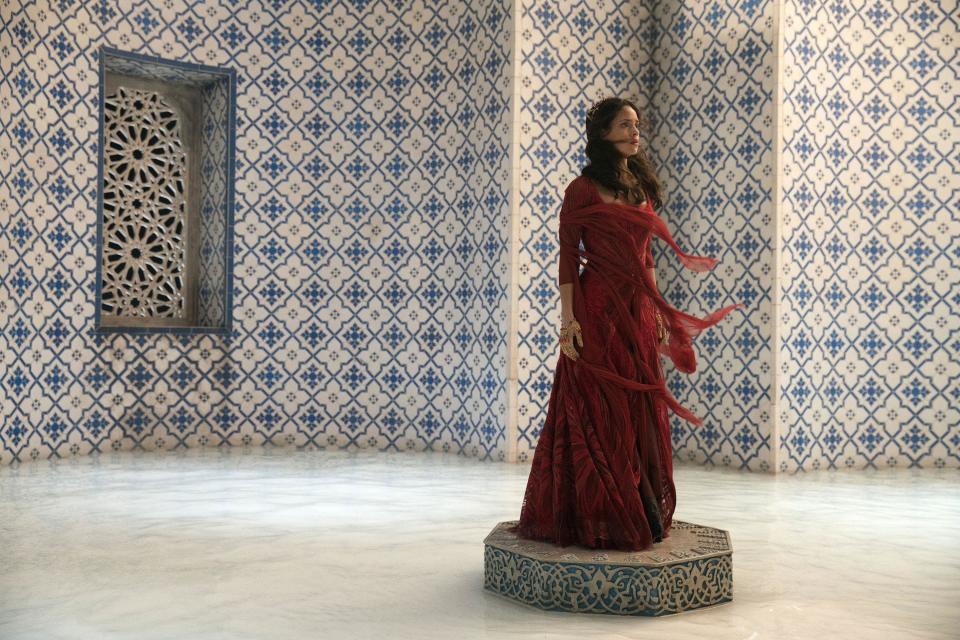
624,132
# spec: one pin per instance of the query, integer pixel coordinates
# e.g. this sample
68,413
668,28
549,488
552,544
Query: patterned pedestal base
692,568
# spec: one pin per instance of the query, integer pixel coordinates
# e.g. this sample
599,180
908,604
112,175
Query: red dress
602,474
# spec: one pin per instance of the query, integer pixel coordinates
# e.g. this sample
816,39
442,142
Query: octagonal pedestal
692,568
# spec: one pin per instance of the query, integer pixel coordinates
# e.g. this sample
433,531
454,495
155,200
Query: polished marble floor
281,544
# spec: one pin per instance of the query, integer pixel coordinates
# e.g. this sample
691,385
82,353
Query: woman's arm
566,302
568,270
568,266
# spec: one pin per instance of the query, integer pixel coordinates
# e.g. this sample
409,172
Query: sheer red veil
632,227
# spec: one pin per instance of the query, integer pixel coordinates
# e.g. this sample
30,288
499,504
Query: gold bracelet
565,328
566,340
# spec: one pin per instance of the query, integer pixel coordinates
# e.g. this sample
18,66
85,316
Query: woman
602,474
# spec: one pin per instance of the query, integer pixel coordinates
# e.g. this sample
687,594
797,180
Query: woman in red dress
602,474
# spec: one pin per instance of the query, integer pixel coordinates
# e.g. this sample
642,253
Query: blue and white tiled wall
807,145
213,204
703,74
371,237
869,332
812,148
714,79
570,55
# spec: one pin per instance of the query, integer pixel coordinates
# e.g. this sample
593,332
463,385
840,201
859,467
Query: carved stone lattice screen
144,207
165,195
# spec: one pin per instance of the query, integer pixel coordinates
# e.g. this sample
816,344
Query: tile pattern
370,240
212,291
572,53
691,569
713,80
703,74
870,341
372,231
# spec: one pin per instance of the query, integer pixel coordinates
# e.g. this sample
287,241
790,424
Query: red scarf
630,228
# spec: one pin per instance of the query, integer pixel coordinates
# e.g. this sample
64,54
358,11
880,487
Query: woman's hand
661,328
568,331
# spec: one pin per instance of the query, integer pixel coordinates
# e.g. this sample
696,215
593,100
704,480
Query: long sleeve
569,265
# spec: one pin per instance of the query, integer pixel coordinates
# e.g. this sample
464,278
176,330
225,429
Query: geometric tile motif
370,240
712,84
172,74
571,54
145,206
351,223
704,78
212,293
870,342
693,571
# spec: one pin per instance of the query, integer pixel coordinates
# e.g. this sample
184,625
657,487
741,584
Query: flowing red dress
602,474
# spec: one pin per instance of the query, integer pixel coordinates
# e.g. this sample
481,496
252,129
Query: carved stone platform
692,568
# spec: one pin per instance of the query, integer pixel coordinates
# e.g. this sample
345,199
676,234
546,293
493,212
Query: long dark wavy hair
605,159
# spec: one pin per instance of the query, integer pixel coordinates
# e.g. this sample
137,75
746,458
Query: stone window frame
172,68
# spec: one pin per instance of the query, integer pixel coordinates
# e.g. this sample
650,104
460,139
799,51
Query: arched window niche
165,195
